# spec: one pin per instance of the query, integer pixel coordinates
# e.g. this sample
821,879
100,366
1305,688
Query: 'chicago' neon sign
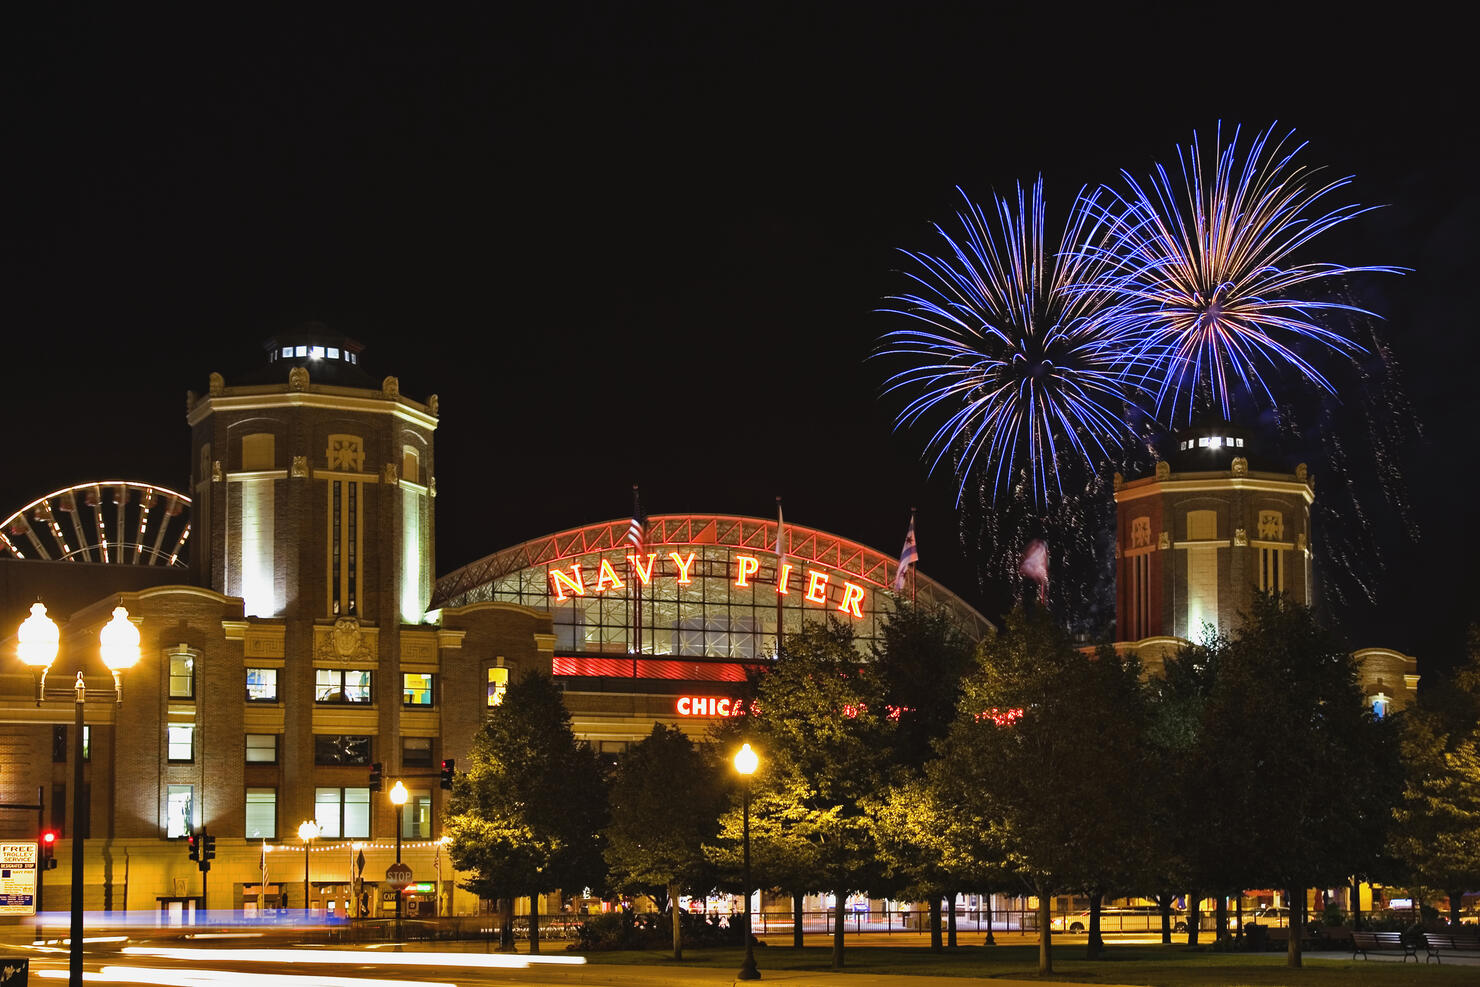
709,706
574,583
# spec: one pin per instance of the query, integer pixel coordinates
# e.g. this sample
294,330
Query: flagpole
915,582
635,582
780,557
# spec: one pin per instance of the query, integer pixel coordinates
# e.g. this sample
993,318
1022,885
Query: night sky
635,243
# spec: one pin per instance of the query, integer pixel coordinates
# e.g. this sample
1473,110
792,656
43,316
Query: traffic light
447,772
375,777
209,849
48,850
194,843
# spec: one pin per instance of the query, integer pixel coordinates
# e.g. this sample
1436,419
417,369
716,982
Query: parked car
1120,918
1276,915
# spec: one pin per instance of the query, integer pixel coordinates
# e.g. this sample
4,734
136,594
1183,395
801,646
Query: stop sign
398,875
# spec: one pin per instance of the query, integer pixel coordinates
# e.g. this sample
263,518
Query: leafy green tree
1437,832
1286,740
1042,760
527,816
666,799
823,741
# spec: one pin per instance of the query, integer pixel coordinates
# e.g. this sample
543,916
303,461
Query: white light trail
344,956
212,978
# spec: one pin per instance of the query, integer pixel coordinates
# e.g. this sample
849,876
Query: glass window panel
179,811
340,749
182,676
416,752
416,815
416,689
261,815
498,684
262,685
357,812
261,748
326,803
181,743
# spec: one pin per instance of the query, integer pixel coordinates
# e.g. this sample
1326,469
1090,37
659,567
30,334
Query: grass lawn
1154,966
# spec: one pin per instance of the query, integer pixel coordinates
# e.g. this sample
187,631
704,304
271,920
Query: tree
1286,739
1043,759
526,818
823,744
666,799
1437,832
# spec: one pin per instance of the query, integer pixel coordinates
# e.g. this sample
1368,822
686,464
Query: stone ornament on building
190,400
391,473
346,452
1240,466
1116,482
216,475
431,486
346,641
299,469
1302,475
218,385
298,379
1300,541
1165,542
1240,538
391,388
1271,526
1141,532
1163,470
432,405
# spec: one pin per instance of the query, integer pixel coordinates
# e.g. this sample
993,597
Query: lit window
416,752
1202,443
182,676
1228,441
262,748
262,685
181,743
416,815
332,352
316,352
1215,442
416,689
287,351
262,813
498,684
341,685
1380,705
179,811
1240,443
87,743
300,351
342,813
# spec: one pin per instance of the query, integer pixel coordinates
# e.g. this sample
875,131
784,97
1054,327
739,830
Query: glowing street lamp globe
399,794
38,638
746,760
120,642
308,830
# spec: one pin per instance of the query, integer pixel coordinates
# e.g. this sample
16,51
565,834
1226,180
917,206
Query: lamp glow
308,830
399,794
120,641
746,760
38,638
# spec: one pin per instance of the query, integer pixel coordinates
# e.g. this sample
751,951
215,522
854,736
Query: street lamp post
308,831
118,645
746,763
398,799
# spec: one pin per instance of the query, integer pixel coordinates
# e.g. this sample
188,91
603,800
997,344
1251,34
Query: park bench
1438,943
1382,942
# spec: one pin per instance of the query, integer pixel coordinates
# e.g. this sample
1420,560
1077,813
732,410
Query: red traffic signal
48,849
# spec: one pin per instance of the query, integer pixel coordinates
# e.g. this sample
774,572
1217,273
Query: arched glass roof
702,586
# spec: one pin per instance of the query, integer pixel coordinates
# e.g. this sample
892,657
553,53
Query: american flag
908,556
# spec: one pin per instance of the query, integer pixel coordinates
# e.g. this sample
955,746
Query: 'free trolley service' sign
18,878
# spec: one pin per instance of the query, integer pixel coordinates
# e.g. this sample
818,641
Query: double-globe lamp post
38,641
746,762
398,796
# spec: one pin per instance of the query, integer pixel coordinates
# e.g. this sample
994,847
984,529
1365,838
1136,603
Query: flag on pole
780,527
1035,566
637,529
908,556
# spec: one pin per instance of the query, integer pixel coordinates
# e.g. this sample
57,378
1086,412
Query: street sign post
398,875
18,878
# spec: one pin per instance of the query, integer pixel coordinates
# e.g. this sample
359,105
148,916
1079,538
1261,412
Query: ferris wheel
112,521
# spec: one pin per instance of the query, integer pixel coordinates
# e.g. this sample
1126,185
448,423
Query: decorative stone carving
1117,551
1271,526
346,640
391,388
390,473
1240,538
1116,482
189,401
299,468
1163,470
432,486
1300,541
1165,542
298,379
432,405
1240,466
1141,532
218,385
216,475
1302,473
346,452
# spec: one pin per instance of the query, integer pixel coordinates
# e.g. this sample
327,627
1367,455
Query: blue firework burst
1016,376
1209,292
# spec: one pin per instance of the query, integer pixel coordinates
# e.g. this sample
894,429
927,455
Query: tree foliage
527,815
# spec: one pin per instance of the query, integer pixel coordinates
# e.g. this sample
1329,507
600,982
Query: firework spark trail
1201,269
1027,380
